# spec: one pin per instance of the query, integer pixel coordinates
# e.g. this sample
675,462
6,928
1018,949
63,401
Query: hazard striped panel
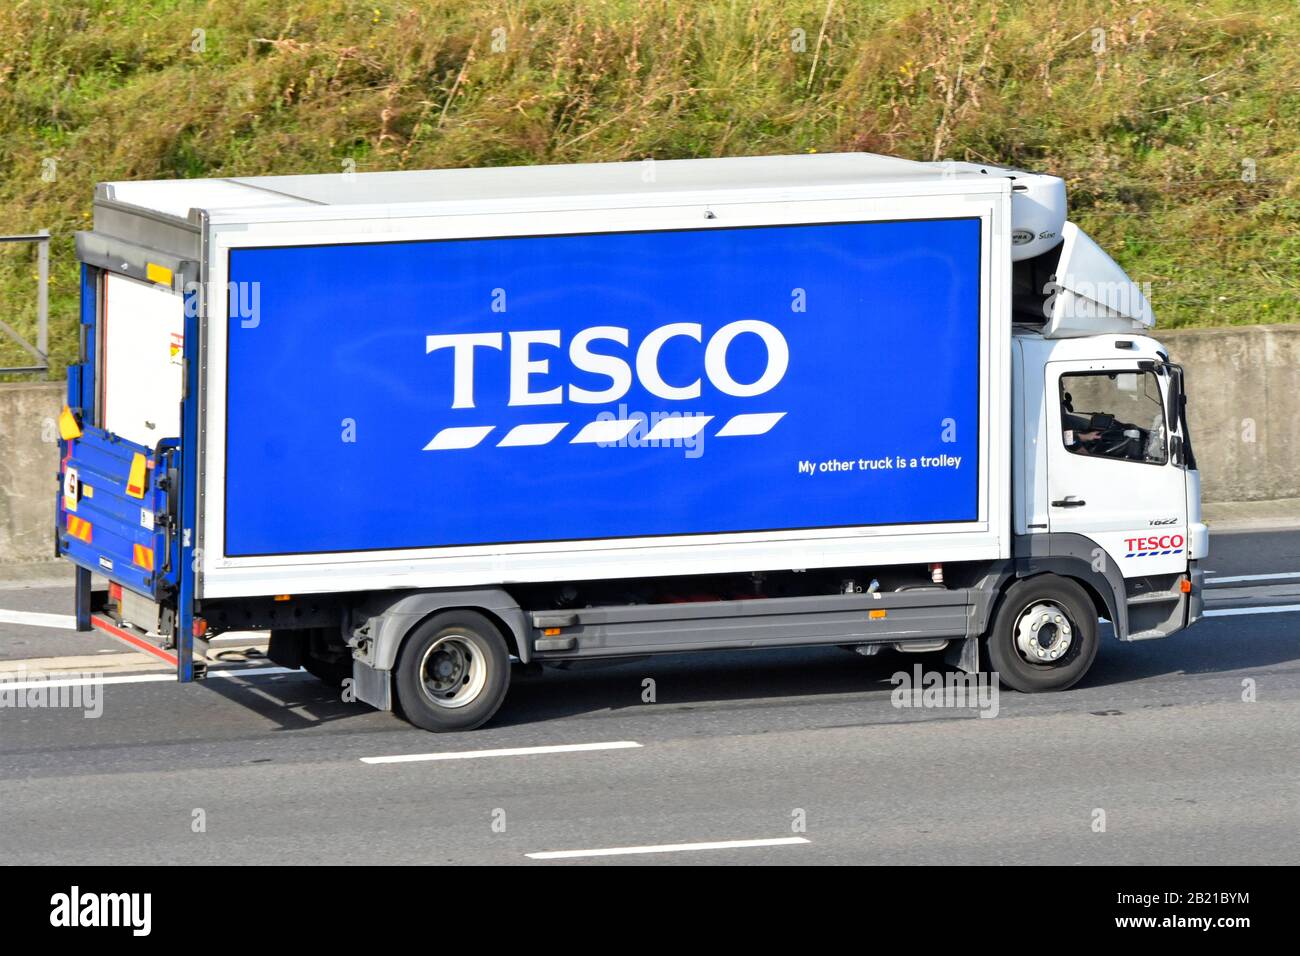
79,528
142,556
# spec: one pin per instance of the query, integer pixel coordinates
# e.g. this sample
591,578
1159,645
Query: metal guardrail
41,350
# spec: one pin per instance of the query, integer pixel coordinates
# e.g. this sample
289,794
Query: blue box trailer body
422,394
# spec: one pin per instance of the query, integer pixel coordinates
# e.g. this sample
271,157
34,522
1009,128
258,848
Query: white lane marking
8,685
505,752
664,848
1282,576
523,435
758,423
36,619
451,438
605,430
1270,609
671,429
253,671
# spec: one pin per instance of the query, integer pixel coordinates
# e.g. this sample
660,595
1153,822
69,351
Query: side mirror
1175,397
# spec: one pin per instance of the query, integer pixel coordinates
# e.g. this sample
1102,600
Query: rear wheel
1044,634
452,672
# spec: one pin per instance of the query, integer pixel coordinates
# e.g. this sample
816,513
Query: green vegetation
1155,123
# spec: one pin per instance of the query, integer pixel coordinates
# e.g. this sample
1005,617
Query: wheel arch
493,617
383,623
1076,557
1103,607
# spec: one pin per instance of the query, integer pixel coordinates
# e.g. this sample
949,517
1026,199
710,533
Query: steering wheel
1115,443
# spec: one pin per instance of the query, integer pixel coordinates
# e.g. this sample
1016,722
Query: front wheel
452,672
1044,634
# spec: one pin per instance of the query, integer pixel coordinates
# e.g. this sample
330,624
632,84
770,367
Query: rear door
141,360
118,471
115,511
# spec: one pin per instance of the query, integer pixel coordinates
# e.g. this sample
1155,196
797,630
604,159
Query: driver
1086,442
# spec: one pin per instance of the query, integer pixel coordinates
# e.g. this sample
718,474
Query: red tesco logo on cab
1165,542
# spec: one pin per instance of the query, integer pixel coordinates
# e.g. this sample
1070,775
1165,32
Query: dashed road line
1268,609
1240,578
227,672
664,848
504,752
37,619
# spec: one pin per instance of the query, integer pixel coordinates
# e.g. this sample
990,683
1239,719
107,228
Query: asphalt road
1157,744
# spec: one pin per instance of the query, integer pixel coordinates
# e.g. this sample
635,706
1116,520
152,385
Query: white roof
260,197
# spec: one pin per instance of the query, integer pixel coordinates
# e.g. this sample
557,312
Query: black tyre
452,672
325,656
287,648
330,672
1044,634
312,650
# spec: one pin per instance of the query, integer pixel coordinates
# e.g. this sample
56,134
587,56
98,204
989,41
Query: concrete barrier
29,466
1243,400
1243,396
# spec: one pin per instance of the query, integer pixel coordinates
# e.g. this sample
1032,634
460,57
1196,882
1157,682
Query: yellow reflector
87,491
156,273
283,597
877,615
142,556
550,631
68,427
135,480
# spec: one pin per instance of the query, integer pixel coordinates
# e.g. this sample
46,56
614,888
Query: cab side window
1116,415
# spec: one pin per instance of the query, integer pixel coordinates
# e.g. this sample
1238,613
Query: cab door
1112,475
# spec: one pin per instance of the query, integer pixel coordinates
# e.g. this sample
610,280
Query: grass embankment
1159,115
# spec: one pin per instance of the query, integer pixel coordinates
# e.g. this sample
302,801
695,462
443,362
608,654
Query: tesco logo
528,360
1164,542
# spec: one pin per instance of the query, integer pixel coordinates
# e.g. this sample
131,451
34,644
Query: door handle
1069,501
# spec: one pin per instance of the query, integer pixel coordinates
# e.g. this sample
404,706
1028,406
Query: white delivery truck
419,424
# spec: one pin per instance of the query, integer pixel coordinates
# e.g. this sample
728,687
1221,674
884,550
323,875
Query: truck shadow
298,701
681,682
812,675
292,701
1214,646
